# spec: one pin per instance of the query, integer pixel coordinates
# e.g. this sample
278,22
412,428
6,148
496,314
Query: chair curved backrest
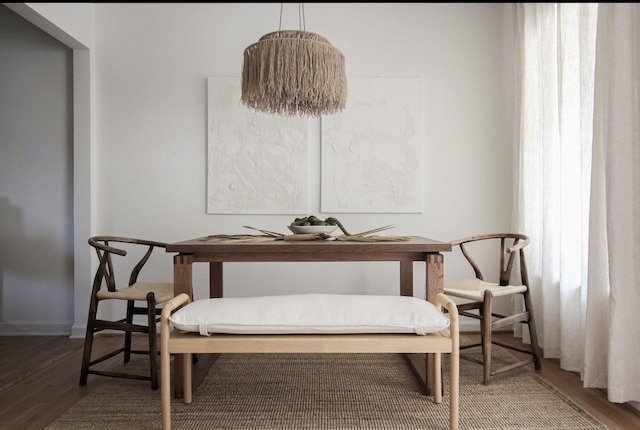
511,244
104,249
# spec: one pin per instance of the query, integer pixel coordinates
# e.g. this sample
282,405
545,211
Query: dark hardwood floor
39,381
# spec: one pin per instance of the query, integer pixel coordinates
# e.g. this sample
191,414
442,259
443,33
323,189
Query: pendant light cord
301,19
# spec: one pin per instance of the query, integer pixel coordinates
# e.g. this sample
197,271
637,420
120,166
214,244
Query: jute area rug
330,391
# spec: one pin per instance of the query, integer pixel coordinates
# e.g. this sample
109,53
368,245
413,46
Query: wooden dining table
214,251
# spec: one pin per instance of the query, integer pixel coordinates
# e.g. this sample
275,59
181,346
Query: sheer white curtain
553,163
577,187
613,306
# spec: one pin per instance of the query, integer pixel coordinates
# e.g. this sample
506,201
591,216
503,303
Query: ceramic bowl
310,229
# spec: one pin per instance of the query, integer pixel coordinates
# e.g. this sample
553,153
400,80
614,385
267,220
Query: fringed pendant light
295,73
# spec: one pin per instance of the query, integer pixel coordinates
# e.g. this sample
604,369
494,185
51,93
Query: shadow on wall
25,258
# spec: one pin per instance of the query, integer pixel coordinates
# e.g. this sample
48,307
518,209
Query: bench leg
165,386
187,381
437,378
454,388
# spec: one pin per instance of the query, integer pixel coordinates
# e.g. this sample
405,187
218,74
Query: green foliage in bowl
313,224
313,220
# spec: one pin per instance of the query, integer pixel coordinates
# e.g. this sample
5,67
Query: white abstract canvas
257,163
372,151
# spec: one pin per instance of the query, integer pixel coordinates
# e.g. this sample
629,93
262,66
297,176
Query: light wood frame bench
187,343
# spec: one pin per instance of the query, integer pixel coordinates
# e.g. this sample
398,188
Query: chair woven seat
474,289
138,291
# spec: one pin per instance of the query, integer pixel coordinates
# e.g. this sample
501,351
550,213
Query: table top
414,248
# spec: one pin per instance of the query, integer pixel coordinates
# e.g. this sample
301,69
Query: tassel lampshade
295,73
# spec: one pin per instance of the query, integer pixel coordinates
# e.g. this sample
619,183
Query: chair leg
153,357
127,334
88,341
535,349
486,338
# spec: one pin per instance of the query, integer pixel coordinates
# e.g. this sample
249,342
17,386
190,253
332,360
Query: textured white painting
372,151
257,163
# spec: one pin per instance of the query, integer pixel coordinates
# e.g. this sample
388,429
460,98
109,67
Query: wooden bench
175,341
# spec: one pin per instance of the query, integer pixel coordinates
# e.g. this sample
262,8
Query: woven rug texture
330,391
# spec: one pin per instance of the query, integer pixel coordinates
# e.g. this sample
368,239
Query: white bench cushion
311,313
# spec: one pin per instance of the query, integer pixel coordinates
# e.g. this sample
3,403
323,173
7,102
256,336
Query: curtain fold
577,184
613,310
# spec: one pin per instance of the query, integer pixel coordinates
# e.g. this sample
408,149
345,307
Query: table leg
406,278
423,364
182,283
182,275
435,285
416,361
435,276
215,279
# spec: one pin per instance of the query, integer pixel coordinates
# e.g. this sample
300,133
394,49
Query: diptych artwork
371,153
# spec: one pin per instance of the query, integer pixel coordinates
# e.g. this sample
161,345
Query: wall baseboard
35,329
78,331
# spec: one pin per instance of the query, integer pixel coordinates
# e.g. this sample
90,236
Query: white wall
153,61
151,66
